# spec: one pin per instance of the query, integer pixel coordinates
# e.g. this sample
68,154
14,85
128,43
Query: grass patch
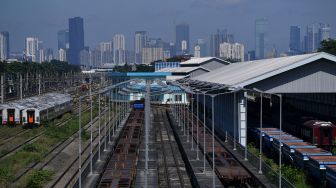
35,152
292,174
39,178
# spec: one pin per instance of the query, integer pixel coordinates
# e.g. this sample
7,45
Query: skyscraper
294,40
63,39
182,34
202,47
140,43
106,52
261,37
119,55
4,45
233,51
324,32
32,49
218,38
76,39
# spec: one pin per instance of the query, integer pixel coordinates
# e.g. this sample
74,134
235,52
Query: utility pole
147,124
2,88
21,86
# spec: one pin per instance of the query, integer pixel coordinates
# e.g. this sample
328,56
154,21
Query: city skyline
161,22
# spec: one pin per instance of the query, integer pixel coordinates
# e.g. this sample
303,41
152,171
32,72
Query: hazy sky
104,18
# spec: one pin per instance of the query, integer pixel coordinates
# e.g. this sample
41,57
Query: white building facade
233,51
119,55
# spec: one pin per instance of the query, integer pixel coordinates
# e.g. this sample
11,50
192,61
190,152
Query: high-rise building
63,39
4,45
119,55
309,40
261,40
233,51
140,43
197,51
85,57
324,32
294,40
218,38
76,39
202,45
32,49
182,34
106,52
49,55
251,55
62,56
150,54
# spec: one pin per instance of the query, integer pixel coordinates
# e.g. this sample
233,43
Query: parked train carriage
331,176
46,111
11,114
320,133
302,155
317,167
288,148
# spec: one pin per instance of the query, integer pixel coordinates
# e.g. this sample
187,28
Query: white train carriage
47,108
11,114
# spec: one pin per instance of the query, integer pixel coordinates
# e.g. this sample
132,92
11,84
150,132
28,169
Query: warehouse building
306,84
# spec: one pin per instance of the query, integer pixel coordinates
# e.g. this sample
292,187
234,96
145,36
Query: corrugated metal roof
181,69
199,60
39,102
245,73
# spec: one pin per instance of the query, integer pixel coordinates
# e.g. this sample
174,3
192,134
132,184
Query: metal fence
271,174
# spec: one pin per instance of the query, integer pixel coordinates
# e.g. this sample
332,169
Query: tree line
53,66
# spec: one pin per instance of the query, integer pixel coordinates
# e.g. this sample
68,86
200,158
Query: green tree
328,46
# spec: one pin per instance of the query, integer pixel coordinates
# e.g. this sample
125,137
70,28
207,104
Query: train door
11,116
326,134
30,116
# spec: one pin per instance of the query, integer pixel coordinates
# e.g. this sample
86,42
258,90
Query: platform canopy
308,73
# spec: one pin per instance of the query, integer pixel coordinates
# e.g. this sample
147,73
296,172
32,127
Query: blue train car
317,167
301,155
331,176
138,106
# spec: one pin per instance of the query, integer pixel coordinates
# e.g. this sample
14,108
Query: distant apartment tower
62,54
261,26
63,39
4,45
197,51
150,54
203,48
119,55
324,32
233,51
32,49
217,38
182,34
106,52
49,54
140,43
294,40
86,57
76,39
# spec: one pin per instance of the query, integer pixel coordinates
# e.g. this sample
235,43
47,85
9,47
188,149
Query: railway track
21,132
121,167
227,168
172,170
32,139
70,173
55,151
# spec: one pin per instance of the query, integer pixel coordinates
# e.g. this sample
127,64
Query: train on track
319,164
34,110
310,129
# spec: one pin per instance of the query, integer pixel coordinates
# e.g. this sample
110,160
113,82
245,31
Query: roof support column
242,120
